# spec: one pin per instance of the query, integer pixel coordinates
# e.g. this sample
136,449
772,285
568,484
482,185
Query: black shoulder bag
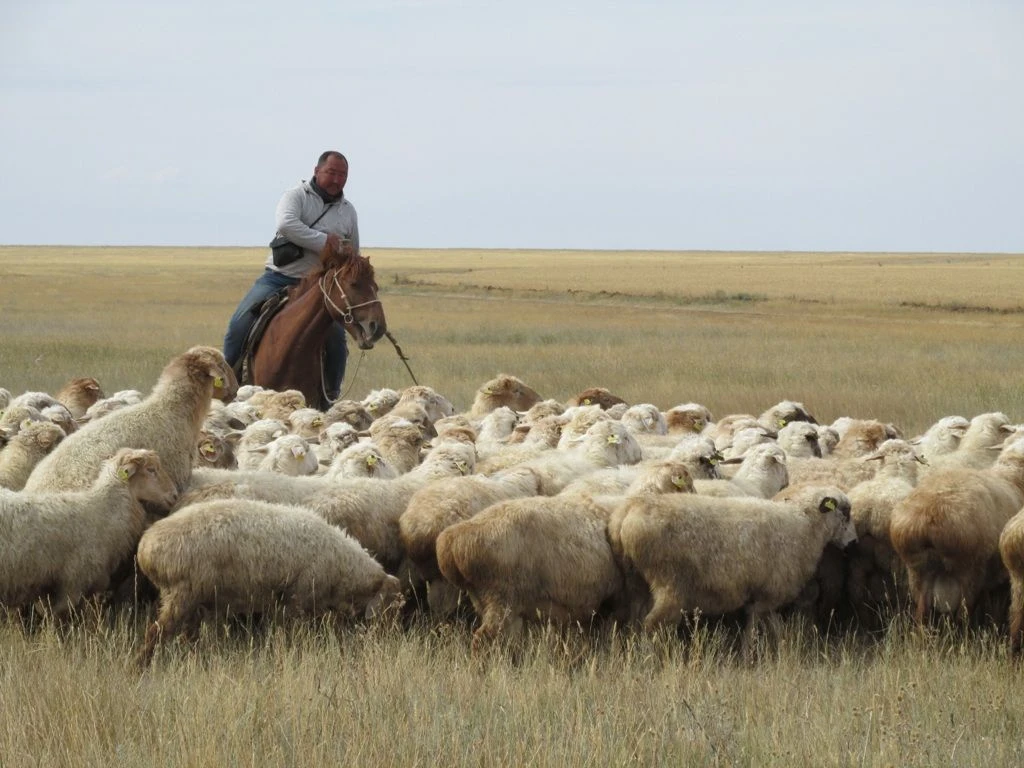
285,251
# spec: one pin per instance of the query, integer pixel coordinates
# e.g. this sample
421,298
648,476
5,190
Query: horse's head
350,294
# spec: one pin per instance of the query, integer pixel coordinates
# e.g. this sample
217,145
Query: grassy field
905,338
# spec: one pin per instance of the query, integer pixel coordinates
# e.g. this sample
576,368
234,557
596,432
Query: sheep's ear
260,449
731,460
828,504
236,423
232,438
24,423
874,457
126,470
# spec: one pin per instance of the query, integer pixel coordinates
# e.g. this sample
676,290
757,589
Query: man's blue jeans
267,284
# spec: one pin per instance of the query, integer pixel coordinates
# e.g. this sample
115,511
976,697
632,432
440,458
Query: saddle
264,314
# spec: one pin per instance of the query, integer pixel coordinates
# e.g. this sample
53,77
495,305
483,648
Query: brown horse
343,290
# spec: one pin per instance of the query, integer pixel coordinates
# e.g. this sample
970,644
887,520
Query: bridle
346,313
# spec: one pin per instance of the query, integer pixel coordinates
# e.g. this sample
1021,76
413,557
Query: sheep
496,427
59,414
828,439
101,408
577,420
799,439
289,455
1011,551
980,445
78,394
876,581
243,556
306,423
862,437
941,438
213,450
619,479
333,439
539,410
721,555
687,419
645,418
5,398
278,405
367,508
37,400
605,444
64,546
255,437
26,449
436,405
444,502
549,558
746,438
782,413
353,413
246,391
946,532
380,401
843,473
700,456
504,389
370,509
17,414
398,440
544,435
762,473
360,460
598,396
723,430
168,422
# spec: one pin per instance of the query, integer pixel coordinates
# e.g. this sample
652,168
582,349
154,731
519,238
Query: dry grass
903,338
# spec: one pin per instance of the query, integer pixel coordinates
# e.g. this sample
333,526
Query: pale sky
876,125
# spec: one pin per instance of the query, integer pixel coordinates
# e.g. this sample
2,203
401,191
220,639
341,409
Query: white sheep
799,439
398,440
332,440
306,423
687,419
380,401
436,405
941,438
27,448
779,415
762,472
350,412
168,422
719,555
876,581
645,418
246,391
946,532
360,460
289,455
980,445
254,438
547,558
242,556
216,451
64,546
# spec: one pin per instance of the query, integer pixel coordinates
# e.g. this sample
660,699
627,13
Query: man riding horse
312,217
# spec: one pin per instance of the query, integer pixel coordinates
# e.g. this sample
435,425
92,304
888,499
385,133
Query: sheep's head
41,436
207,364
351,412
597,396
145,475
504,389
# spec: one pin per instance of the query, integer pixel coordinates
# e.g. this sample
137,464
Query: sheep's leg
442,598
494,619
666,609
1016,617
749,644
173,613
922,587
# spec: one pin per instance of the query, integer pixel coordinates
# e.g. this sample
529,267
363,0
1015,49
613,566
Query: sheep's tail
448,547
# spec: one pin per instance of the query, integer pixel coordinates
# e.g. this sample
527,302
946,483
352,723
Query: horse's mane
351,269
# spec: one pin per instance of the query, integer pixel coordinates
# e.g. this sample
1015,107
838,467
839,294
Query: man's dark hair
329,154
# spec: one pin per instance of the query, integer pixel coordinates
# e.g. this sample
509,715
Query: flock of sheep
228,500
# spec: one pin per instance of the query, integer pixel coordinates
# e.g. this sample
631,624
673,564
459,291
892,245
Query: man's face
332,175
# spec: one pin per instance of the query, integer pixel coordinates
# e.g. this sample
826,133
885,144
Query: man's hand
333,243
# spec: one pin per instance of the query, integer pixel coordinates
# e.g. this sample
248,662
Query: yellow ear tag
713,461
613,439
487,391
586,401
463,466
123,474
830,505
678,482
781,423
371,460
317,421
218,382
207,448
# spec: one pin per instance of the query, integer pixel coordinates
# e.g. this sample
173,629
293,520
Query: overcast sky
785,125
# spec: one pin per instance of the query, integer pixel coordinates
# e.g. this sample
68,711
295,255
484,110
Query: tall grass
879,335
